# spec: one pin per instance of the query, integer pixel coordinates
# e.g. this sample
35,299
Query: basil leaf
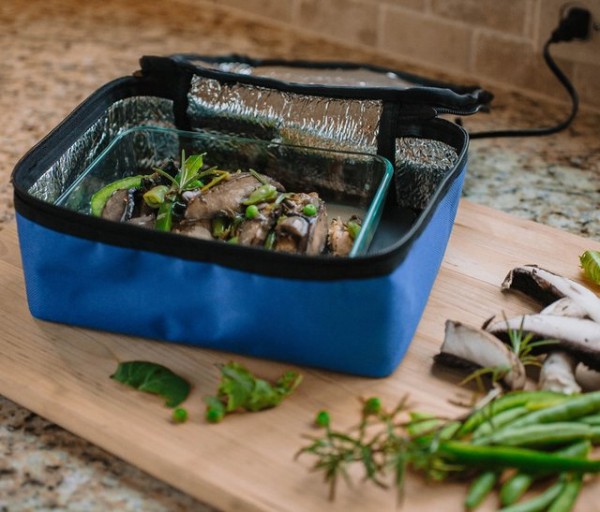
153,378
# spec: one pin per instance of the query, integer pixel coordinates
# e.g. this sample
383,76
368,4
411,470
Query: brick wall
493,42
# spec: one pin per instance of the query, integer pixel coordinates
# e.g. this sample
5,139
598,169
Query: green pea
322,419
180,415
215,412
372,406
309,210
353,228
251,211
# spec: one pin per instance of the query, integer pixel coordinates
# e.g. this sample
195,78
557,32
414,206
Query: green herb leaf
239,389
153,378
590,263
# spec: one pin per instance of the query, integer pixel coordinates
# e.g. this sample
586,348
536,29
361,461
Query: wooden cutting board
247,462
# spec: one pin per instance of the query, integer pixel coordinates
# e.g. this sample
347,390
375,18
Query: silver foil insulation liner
270,114
420,167
121,115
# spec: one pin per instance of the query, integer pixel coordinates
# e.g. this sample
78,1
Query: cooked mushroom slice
120,205
144,221
226,198
302,228
547,287
558,373
564,307
342,234
198,229
578,336
255,231
468,346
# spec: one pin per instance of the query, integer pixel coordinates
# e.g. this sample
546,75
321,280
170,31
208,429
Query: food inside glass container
243,207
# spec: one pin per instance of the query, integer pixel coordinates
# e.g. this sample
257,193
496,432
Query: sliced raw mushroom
558,373
565,307
559,367
588,379
578,336
469,346
547,287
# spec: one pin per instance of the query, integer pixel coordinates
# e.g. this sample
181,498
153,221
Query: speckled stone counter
54,54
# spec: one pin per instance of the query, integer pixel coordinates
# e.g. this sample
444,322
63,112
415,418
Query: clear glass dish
349,183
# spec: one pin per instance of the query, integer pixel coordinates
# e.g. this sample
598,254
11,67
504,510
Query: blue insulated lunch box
366,138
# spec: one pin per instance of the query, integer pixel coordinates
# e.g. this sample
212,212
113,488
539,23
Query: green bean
572,408
594,433
540,502
517,485
565,501
499,420
525,459
480,489
592,419
512,490
164,217
508,401
261,194
156,196
538,435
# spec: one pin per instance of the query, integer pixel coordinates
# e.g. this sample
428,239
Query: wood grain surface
247,462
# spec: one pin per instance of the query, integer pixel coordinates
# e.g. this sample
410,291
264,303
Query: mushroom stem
558,373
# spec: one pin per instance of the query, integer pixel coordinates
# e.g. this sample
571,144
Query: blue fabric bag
354,314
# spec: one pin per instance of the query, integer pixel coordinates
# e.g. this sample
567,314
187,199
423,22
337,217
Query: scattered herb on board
550,439
239,389
153,378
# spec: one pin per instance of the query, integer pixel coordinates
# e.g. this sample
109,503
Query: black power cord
575,24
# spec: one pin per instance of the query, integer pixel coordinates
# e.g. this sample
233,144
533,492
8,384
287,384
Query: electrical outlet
551,12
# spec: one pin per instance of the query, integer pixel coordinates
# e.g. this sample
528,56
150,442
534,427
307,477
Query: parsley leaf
239,389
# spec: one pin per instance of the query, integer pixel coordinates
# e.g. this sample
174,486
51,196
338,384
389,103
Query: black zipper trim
458,103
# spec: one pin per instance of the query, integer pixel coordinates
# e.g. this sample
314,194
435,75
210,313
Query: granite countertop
56,53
